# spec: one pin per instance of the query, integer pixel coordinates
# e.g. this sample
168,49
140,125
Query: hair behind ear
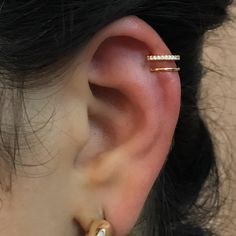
37,47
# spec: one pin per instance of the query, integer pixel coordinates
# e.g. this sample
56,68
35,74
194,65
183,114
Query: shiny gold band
165,69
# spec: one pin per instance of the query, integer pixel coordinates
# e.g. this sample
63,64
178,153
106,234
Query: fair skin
108,141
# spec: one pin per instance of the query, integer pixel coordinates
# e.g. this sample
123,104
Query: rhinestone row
163,57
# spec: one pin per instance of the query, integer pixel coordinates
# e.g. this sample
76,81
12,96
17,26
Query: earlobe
132,113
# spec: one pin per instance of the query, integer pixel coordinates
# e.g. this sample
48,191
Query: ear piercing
164,58
100,228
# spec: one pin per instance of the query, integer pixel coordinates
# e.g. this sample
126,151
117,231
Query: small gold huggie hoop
100,228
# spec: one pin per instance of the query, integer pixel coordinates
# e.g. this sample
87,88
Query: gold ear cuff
100,228
164,58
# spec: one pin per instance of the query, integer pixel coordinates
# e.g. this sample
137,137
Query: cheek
38,206
58,129
41,198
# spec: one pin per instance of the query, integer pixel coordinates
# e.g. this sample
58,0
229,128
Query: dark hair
38,36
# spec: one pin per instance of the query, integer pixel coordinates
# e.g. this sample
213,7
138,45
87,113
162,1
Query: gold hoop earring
100,228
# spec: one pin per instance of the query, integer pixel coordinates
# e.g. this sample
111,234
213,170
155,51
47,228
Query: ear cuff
164,58
100,228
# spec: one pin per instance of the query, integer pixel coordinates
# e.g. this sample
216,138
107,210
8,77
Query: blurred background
218,106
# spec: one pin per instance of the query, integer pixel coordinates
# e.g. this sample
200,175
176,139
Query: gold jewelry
163,57
165,69
100,228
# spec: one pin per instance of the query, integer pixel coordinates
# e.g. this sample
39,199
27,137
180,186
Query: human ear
132,115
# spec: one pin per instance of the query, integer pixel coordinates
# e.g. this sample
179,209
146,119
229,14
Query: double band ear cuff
100,228
164,58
